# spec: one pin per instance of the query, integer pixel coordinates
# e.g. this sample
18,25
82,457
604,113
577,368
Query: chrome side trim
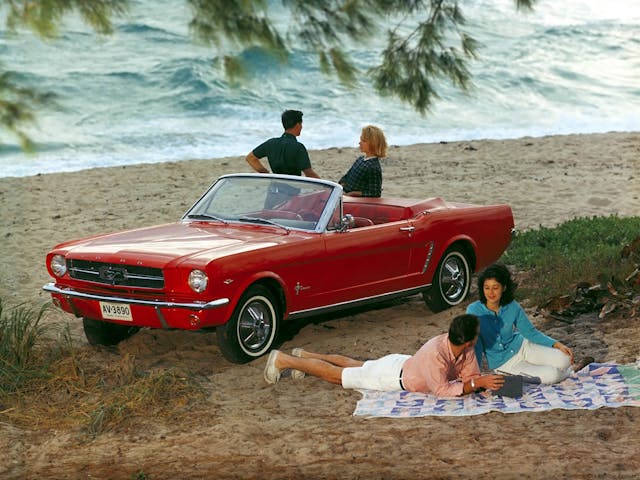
360,301
68,292
428,259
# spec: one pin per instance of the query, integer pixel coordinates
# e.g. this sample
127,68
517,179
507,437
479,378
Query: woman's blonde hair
376,140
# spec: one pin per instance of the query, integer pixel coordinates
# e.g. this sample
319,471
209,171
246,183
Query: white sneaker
297,374
271,372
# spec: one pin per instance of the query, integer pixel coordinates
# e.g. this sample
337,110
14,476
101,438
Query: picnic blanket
595,386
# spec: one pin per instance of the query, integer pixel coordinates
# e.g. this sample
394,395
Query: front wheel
105,333
451,282
253,327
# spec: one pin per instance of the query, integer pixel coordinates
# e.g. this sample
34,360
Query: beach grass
45,380
21,332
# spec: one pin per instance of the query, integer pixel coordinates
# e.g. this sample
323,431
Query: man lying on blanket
445,366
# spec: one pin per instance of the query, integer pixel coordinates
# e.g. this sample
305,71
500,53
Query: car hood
176,242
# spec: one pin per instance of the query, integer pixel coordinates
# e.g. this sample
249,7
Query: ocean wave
142,29
148,93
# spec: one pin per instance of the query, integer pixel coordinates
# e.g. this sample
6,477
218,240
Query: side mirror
346,222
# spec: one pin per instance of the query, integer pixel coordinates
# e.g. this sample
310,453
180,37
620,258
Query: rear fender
466,245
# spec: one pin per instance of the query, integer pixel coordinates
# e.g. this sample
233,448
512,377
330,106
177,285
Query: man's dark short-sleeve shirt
286,155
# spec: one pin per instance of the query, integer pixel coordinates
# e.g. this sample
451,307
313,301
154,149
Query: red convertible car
257,250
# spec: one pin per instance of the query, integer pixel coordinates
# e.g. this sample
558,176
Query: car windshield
292,203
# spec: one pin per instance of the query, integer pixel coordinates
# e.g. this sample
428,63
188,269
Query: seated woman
364,178
508,339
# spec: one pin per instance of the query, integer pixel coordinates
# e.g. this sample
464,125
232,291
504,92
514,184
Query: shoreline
319,151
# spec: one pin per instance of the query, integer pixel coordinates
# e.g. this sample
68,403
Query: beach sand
305,429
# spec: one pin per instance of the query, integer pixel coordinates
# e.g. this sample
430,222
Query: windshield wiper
206,216
263,221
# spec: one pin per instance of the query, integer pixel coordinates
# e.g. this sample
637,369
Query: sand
305,429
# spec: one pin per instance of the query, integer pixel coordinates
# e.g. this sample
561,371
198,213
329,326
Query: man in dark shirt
285,154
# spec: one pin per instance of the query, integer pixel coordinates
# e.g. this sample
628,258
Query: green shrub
578,250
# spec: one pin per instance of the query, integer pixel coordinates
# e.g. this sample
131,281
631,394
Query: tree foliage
19,104
426,40
45,16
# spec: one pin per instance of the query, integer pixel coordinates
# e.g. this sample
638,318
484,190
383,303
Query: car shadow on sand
292,328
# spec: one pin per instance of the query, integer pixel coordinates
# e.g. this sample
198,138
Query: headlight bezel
198,280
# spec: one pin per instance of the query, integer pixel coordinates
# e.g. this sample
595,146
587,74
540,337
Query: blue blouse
502,333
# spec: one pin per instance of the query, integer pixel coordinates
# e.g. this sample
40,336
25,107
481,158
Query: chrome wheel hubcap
453,279
254,327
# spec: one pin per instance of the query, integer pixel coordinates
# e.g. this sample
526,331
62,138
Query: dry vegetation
55,385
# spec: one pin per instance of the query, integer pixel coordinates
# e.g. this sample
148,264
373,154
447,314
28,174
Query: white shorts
382,374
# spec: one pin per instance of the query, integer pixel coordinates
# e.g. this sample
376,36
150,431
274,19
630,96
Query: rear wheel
105,333
253,327
451,282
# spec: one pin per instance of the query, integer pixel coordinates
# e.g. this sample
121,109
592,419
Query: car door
366,261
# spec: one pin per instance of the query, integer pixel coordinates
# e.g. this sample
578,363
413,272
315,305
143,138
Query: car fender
271,279
471,248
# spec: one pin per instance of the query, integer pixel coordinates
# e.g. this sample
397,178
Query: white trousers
548,364
382,374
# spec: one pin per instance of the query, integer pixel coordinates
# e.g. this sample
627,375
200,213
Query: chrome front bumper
68,292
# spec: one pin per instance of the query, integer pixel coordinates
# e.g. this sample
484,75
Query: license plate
116,311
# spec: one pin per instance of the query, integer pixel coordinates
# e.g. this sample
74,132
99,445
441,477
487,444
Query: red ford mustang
257,250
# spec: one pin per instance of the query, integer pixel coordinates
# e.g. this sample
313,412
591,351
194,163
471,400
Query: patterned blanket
595,386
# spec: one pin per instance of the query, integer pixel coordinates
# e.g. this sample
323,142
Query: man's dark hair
502,275
290,118
463,329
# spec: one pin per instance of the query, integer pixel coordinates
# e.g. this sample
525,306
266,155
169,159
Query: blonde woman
364,178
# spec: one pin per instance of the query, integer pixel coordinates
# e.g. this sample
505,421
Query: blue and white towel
595,386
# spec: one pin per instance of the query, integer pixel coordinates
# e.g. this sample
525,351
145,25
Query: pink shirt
434,369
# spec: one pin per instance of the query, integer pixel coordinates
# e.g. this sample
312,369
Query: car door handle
407,229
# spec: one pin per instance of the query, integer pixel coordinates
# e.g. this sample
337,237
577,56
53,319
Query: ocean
148,93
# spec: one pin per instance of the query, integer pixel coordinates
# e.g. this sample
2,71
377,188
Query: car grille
116,274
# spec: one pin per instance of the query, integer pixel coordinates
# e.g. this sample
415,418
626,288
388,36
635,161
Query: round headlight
58,265
198,281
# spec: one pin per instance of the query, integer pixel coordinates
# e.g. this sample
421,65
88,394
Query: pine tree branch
410,65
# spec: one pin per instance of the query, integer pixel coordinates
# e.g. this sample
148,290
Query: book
512,386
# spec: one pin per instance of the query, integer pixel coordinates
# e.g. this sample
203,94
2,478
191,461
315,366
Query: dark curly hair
502,275
463,329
